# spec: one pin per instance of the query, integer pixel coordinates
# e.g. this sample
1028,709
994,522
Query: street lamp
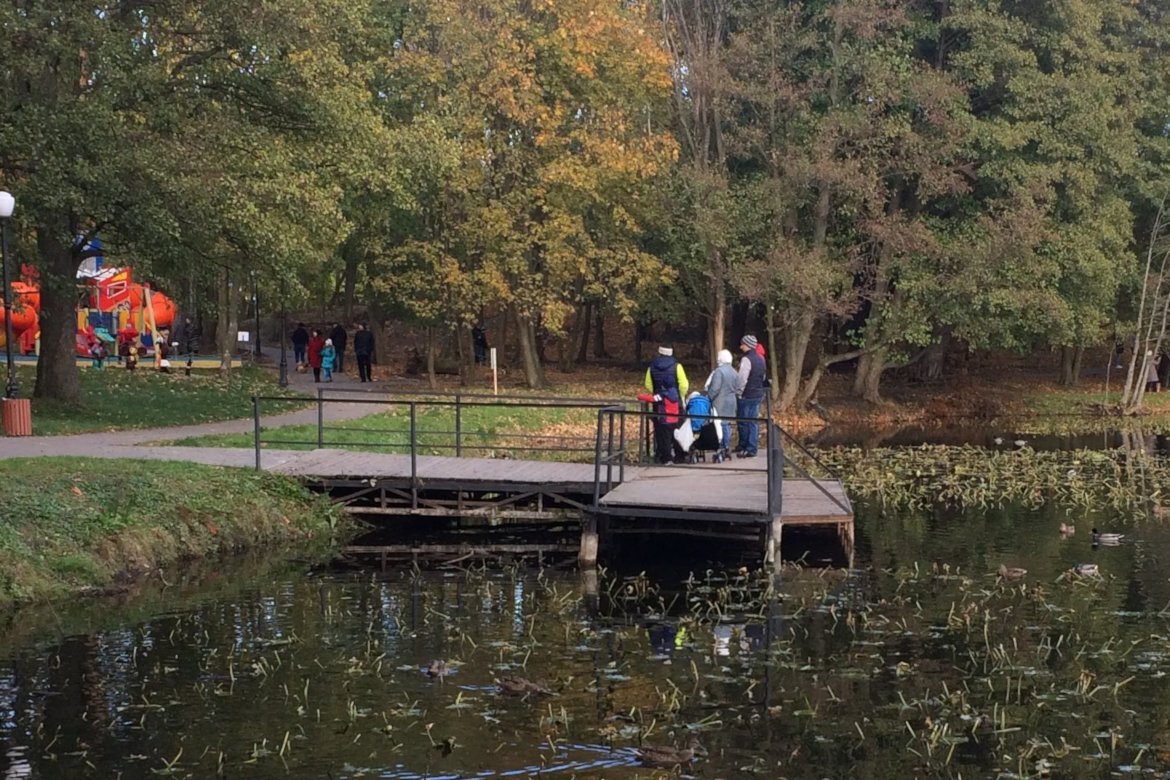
283,334
256,310
7,205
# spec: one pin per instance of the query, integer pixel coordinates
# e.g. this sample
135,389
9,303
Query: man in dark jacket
667,380
363,350
338,336
749,392
300,342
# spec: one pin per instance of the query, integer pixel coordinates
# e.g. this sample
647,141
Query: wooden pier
750,499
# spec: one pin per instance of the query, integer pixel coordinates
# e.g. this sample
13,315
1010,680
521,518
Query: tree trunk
432,379
228,322
809,391
867,380
576,340
583,348
930,367
599,350
639,336
717,333
57,373
796,340
773,357
1070,365
351,269
529,355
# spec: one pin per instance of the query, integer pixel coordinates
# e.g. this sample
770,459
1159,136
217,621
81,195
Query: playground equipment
114,301
111,300
26,305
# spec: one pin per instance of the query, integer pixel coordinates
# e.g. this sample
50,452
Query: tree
176,131
543,105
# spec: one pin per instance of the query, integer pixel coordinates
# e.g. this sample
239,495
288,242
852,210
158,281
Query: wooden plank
449,549
730,491
735,488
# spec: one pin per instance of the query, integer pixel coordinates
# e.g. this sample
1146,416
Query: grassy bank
70,524
116,399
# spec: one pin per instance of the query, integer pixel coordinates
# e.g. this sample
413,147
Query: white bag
684,436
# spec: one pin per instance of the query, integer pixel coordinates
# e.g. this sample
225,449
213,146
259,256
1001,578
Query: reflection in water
918,662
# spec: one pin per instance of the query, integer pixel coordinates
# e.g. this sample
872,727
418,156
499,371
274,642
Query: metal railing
438,423
434,424
611,451
800,470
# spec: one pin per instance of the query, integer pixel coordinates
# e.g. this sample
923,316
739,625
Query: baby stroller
706,433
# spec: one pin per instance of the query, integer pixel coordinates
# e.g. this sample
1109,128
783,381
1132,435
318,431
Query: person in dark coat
750,393
190,337
363,350
667,382
479,343
338,336
316,344
300,343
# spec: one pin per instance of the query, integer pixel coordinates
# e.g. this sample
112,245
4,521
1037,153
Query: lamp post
7,205
256,309
283,334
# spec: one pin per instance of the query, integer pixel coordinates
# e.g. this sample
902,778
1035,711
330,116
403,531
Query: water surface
916,662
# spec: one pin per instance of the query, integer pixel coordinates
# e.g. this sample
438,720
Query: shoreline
73,526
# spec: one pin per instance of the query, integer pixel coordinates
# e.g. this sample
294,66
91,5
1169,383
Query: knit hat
724,357
665,351
749,341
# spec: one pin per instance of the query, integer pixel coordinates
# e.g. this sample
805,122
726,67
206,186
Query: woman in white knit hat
721,390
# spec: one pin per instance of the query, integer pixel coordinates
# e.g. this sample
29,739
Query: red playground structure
110,302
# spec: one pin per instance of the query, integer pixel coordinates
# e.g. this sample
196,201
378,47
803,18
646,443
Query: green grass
116,399
486,431
1085,410
70,524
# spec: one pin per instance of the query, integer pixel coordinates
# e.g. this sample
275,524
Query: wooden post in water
774,536
589,542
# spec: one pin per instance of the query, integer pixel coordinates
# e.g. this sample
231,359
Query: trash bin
17,417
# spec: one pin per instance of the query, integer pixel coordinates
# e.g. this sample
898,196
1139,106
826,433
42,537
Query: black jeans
363,362
664,441
338,359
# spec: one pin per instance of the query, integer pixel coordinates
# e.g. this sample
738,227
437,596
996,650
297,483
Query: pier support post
590,588
589,542
772,554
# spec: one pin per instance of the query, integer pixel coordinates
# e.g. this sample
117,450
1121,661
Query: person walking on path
339,338
667,381
300,344
750,392
720,388
328,356
363,350
316,344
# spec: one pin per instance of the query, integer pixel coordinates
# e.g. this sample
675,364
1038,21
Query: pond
919,661
1149,441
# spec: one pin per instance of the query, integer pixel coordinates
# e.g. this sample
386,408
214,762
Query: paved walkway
134,443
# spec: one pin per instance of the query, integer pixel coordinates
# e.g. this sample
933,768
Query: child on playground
97,353
131,357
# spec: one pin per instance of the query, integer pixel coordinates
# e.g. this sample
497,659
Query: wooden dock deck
732,492
546,481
